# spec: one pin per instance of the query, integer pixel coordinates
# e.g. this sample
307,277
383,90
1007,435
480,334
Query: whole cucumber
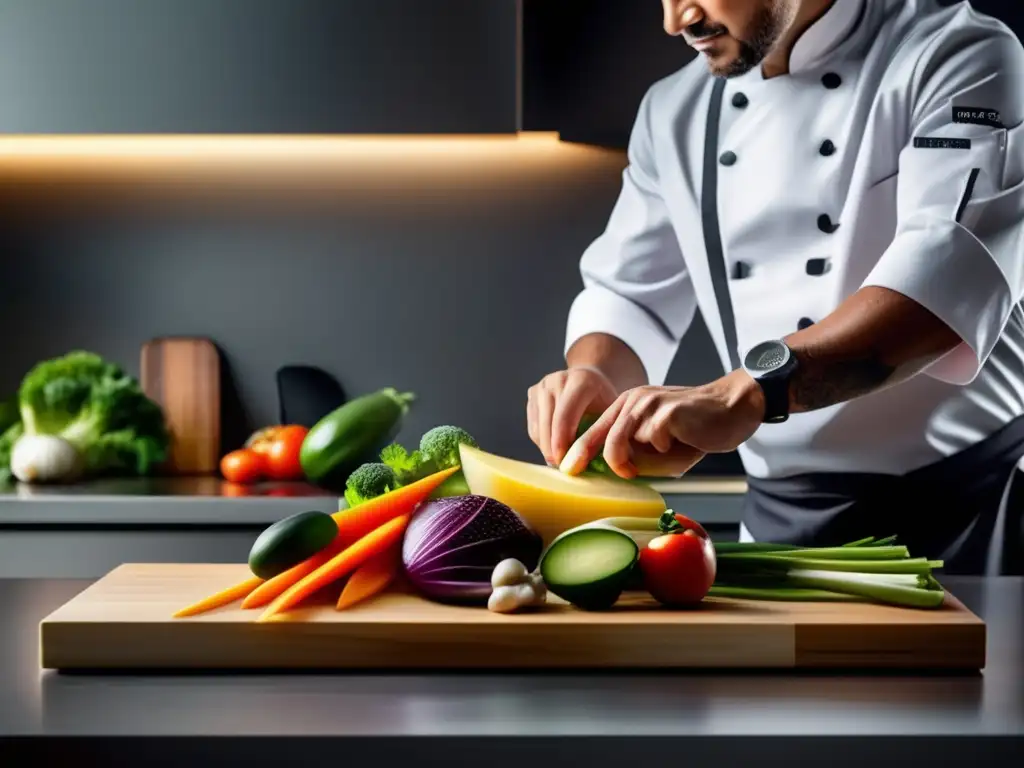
353,434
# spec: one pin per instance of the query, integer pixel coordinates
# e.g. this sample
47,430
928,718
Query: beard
767,28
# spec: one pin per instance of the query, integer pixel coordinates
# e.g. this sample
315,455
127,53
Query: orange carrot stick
274,586
371,577
340,565
224,597
358,521
353,524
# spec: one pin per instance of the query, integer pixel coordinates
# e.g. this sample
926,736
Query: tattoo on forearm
820,384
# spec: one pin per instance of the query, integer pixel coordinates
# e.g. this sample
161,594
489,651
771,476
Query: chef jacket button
740,100
740,270
827,148
804,322
817,267
831,80
825,224
727,158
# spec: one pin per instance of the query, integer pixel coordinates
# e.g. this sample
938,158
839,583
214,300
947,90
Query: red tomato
242,466
679,566
282,455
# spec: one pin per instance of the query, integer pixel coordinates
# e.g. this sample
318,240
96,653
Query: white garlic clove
508,573
503,600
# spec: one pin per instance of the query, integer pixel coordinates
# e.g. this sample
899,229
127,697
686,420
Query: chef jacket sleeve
636,286
959,243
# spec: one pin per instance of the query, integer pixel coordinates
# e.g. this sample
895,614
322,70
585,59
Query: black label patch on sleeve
977,116
935,142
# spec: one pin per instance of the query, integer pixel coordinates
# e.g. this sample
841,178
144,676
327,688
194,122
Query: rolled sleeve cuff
946,269
599,310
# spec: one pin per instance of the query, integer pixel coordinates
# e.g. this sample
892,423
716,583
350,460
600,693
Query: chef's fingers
618,451
532,419
570,406
589,443
655,431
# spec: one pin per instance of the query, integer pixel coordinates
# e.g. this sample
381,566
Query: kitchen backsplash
458,295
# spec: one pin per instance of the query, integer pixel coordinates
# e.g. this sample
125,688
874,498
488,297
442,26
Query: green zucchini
290,541
351,435
590,566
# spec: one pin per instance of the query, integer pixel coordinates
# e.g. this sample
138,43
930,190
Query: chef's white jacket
836,176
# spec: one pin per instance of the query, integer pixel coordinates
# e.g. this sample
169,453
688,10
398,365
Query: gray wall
450,280
256,66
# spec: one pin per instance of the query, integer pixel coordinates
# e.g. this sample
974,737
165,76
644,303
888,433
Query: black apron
966,509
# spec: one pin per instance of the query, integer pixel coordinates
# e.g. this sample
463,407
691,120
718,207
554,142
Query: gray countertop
179,501
509,718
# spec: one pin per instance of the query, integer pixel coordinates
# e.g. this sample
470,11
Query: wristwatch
772,364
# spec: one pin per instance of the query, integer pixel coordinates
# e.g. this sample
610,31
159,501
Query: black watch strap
776,398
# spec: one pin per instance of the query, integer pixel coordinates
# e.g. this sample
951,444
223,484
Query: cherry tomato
282,455
242,466
261,440
679,567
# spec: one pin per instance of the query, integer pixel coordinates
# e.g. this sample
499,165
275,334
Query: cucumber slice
589,566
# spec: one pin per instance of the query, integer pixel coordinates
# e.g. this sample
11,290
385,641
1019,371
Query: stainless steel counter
512,719
211,501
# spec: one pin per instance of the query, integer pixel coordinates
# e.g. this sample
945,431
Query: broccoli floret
99,409
408,467
440,446
368,482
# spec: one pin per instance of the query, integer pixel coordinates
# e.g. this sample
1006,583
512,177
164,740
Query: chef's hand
664,431
557,403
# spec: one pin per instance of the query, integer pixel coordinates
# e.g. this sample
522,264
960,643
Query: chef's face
734,35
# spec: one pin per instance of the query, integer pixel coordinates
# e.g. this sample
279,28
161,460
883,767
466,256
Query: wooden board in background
183,375
123,621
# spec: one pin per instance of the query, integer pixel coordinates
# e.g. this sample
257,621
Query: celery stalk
917,565
783,594
860,542
878,587
832,553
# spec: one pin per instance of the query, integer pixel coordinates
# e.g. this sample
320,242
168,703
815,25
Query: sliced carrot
224,597
371,577
353,524
340,565
358,521
275,585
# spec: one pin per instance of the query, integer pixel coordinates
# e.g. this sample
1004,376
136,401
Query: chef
837,186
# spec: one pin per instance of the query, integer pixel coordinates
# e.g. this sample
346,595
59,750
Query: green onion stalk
867,570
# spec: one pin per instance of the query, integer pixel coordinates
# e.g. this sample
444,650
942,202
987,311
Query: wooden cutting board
123,621
182,374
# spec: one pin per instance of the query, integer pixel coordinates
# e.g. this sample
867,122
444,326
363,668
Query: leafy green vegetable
440,446
877,570
7,441
369,481
97,408
408,467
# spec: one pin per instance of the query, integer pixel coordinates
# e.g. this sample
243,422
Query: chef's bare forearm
875,339
613,357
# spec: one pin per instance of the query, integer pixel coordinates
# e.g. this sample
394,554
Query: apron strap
709,221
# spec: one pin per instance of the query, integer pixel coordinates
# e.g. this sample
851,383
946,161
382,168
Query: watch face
766,357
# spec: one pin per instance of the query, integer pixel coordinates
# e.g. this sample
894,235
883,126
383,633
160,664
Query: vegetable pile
80,416
474,550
